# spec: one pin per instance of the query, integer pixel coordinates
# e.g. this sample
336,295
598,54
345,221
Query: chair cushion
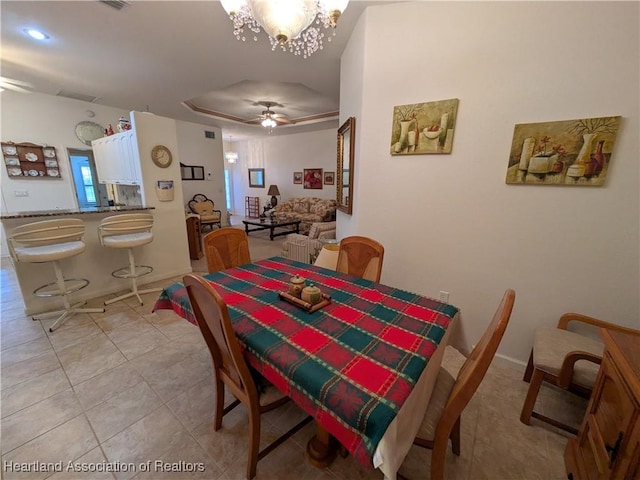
441,391
128,240
320,227
203,208
48,253
550,345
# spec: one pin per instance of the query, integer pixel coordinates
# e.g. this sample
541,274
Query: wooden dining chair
231,370
361,257
226,248
450,396
567,359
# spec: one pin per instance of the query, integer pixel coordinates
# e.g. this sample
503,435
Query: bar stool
50,241
128,230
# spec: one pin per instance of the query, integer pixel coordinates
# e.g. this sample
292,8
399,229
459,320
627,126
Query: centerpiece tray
287,297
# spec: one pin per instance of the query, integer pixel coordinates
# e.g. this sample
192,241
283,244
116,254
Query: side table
194,237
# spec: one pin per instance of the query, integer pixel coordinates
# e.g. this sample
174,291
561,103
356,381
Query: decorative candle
527,152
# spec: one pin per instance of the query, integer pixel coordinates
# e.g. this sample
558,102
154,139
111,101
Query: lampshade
289,23
273,190
328,256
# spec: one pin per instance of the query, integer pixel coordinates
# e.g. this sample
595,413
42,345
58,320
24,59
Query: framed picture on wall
329,178
312,178
297,178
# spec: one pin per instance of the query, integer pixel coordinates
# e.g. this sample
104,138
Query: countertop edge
62,213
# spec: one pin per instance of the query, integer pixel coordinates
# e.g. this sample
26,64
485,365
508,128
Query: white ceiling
172,57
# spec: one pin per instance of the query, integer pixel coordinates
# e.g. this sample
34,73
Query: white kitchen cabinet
117,159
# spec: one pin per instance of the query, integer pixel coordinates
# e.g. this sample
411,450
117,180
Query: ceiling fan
15,85
269,119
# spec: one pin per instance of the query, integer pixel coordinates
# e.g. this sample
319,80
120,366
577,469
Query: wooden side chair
226,248
566,359
450,396
232,371
361,257
204,208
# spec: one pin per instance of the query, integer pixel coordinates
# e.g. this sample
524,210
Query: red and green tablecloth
351,364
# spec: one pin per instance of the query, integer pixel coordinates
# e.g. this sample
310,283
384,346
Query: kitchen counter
168,256
75,211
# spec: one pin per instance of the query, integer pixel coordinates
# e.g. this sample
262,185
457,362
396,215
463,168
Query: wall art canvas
297,178
422,128
567,152
312,178
329,178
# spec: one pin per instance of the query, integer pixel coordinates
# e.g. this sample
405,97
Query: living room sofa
306,209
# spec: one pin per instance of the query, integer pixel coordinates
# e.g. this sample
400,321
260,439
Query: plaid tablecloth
351,364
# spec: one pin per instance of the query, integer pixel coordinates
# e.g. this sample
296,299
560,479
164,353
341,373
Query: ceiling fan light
268,123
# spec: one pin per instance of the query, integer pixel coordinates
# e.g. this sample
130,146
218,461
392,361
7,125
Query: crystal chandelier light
287,22
231,156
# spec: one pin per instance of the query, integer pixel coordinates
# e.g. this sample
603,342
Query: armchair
204,208
300,247
566,359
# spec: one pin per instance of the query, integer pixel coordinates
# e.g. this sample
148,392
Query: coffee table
267,223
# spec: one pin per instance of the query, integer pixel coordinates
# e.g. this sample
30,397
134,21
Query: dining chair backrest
450,397
361,257
213,320
477,363
226,248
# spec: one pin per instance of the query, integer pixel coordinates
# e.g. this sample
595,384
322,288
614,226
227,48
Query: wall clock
87,131
161,156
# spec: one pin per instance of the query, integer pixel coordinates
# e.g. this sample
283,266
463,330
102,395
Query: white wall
449,222
281,156
196,149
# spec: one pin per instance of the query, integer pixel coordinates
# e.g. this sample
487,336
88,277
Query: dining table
364,365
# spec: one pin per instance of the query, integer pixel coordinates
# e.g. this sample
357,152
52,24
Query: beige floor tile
147,439
26,351
122,410
78,468
104,386
134,339
185,461
112,320
170,324
196,405
77,329
29,368
19,331
84,360
32,391
30,422
65,443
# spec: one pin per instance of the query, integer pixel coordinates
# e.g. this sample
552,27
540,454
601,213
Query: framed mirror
344,167
256,177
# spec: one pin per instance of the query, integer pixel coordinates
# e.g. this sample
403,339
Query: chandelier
287,22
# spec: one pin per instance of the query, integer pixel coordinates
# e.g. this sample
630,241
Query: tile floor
130,387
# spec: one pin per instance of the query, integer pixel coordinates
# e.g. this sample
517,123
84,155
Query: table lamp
273,191
328,256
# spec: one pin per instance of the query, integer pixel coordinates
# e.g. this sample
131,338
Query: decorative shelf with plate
28,160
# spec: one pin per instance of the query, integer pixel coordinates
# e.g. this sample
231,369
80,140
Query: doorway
89,192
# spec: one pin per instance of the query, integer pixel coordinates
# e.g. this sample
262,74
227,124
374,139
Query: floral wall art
568,152
312,178
422,128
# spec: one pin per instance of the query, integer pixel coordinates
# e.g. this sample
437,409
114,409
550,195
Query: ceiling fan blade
15,85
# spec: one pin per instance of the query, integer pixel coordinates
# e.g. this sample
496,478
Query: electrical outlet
444,296
21,193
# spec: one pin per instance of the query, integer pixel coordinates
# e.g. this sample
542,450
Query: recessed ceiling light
37,34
